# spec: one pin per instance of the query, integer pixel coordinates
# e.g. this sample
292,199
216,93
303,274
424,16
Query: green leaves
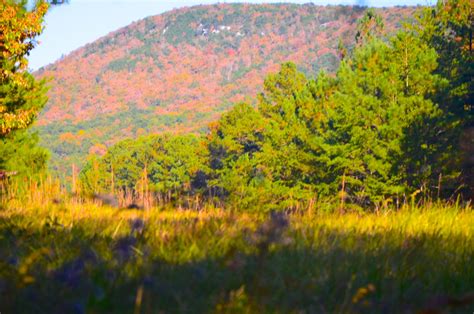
380,93
21,96
20,153
448,28
369,135
166,164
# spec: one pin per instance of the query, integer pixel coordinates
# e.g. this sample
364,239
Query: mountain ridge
179,70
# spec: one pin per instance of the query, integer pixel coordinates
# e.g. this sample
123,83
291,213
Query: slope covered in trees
379,132
180,70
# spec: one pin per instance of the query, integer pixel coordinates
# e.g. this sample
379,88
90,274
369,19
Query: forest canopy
389,125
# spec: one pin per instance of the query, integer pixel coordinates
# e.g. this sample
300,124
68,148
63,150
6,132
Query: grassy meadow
349,190
77,256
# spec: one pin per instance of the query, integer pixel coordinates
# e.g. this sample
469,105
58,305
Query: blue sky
71,26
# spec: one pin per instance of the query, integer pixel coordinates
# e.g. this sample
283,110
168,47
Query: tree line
394,122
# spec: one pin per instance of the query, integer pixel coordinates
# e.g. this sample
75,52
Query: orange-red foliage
192,62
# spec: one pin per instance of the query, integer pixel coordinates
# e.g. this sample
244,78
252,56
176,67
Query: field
76,257
347,190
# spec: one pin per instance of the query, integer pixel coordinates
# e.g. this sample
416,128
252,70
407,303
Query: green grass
81,257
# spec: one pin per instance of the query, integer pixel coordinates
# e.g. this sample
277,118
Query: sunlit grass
89,257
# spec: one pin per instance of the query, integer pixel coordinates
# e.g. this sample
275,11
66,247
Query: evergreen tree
370,26
380,93
290,145
167,165
20,153
448,27
234,143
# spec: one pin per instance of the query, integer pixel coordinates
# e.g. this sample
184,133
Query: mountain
180,70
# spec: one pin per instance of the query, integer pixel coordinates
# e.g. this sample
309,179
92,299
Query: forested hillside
182,69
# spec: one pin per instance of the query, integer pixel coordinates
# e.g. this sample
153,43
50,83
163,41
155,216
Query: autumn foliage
21,97
180,70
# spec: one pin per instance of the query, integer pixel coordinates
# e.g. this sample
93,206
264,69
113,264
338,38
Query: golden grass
217,260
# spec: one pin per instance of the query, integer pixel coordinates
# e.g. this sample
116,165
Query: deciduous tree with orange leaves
21,96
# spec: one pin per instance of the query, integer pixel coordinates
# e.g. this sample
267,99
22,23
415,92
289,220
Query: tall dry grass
63,253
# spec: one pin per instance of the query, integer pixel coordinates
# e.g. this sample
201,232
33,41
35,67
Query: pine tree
381,93
448,28
288,153
234,144
370,26
20,153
